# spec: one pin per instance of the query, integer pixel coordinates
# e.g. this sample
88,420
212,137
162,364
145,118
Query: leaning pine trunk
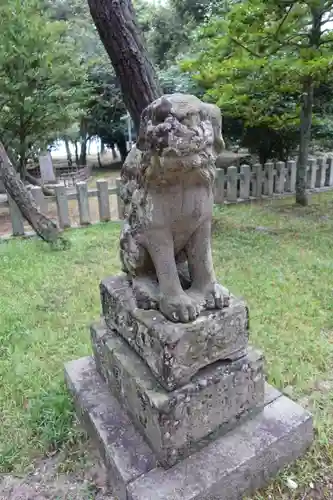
43,226
35,182
118,30
305,138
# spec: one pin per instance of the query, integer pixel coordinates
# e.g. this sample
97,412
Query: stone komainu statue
167,189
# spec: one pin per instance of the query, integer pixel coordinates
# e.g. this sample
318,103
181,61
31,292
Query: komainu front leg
174,303
204,289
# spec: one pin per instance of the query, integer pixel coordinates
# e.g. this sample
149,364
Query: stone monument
173,395
46,169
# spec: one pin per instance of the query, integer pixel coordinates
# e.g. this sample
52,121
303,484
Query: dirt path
81,477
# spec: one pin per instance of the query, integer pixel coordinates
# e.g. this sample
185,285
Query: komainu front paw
179,308
216,296
213,296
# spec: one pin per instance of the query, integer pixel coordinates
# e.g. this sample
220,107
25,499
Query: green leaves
42,82
253,63
255,60
105,107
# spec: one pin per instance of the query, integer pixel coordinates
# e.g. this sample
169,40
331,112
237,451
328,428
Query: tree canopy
262,62
256,59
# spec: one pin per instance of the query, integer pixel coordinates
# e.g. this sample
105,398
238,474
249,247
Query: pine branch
283,20
240,44
324,42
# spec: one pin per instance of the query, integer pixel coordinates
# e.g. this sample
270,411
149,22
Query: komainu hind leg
146,291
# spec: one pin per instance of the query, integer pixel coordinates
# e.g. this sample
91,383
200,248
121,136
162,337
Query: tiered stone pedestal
182,411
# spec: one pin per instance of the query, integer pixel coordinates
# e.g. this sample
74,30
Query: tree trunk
263,156
304,144
77,159
120,140
83,152
22,163
43,226
99,160
307,109
68,151
116,23
35,182
28,177
22,146
83,142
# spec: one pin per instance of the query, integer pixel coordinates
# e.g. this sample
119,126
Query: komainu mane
167,189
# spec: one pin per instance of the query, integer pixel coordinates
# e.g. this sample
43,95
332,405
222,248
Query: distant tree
323,114
105,110
168,35
199,10
172,79
43,84
89,48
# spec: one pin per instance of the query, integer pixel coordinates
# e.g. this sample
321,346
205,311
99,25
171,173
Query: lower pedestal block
182,421
233,465
124,451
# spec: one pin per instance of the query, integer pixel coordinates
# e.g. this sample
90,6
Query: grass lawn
279,258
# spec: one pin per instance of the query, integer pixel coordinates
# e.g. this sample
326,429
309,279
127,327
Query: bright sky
60,152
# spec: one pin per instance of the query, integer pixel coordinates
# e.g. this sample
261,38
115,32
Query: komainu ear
141,140
155,113
213,113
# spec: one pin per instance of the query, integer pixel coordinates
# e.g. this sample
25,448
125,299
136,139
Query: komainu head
179,134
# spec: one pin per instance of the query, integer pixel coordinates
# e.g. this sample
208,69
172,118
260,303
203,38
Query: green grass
280,259
47,301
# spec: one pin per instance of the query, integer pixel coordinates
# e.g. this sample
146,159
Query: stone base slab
174,351
124,451
180,422
233,465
